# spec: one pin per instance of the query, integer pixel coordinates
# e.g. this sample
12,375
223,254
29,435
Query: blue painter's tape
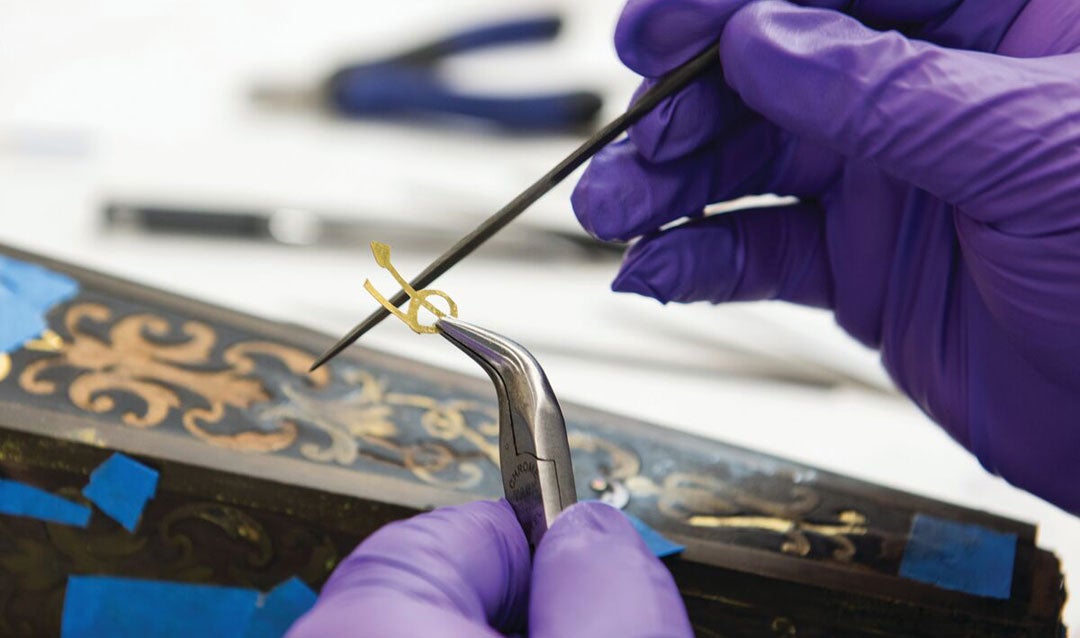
19,499
278,610
97,606
18,323
657,543
27,293
960,557
120,487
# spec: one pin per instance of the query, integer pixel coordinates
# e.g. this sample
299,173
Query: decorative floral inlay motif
364,423
703,501
451,443
142,359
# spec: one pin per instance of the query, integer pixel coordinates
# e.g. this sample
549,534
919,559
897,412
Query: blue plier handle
409,83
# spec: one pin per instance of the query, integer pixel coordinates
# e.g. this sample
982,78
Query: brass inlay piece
417,298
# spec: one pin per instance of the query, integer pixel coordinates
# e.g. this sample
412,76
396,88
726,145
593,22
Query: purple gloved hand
935,149
465,572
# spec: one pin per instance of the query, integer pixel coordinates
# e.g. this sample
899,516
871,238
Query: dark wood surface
267,473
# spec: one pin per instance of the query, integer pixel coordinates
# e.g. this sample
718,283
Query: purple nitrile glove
935,149
465,572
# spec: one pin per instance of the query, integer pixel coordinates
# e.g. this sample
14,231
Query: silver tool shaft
534,453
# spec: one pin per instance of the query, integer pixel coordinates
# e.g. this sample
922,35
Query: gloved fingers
455,571
766,253
1031,290
689,119
593,576
655,36
380,613
964,126
622,195
965,24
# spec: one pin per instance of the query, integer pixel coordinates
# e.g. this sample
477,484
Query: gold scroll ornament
417,298
165,374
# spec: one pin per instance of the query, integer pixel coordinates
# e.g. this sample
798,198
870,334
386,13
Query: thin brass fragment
417,298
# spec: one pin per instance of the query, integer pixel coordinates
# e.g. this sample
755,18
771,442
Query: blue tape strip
96,606
18,323
27,293
657,543
19,499
278,610
960,557
120,487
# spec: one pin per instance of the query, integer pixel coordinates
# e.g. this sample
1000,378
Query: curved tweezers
534,454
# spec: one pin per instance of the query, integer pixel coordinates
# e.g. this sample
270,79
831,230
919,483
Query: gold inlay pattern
457,447
447,442
140,358
706,502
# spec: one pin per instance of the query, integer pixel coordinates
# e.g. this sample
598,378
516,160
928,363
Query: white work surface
148,99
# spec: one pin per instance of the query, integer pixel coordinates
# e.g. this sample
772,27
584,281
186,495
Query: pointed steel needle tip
326,356
367,324
345,341
669,84
333,351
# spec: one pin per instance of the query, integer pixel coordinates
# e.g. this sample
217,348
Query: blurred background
131,105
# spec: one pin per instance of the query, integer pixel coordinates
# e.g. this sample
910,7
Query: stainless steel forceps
534,454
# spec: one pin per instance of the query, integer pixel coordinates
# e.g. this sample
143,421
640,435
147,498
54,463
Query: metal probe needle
667,85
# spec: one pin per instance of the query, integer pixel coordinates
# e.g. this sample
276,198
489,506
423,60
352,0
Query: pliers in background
409,85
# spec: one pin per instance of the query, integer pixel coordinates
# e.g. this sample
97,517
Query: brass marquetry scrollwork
143,358
359,418
621,464
707,502
458,443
